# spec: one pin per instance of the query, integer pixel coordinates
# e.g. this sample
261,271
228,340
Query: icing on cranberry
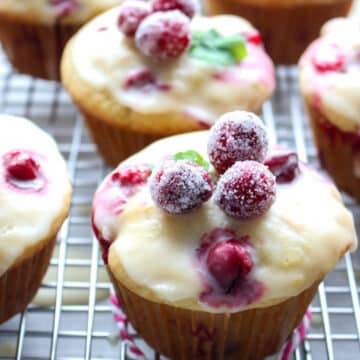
64,7
145,81
225,265
246,190
132,13
254,38
284,165
111,200
237,136
188,7
22,170
164,36
329,57
180,186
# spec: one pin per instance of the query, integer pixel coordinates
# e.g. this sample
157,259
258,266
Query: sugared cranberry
246,190
254,38
227,262
180,186
164,35
21,166
284,165
188,7
237,136
145,81
329,57
132,13
64,7
130,175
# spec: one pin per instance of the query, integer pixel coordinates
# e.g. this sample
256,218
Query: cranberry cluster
161,27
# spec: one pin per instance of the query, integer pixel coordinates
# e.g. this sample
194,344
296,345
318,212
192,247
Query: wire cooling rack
71,317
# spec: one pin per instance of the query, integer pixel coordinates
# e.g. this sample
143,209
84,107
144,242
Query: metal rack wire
71,318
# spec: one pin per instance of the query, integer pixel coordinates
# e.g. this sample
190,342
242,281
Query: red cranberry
64,7
180,186
188,7
164,35
130,175
254,38
145,81
21,166
132,13
246,190
284,165
228,261
329,57
237,136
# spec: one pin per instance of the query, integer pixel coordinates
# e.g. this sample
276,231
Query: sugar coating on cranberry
180,186
284,165
188,7
228,262
21,166
246,190
329,57
132,13
164,36
237,136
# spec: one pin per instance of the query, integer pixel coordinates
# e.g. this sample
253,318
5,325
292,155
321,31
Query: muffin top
111,75
330,74
34,189
174,230
50,11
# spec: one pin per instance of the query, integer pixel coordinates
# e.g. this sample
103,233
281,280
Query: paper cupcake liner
185,334
138,350
19,284
114,143
286,30
339,152
35,49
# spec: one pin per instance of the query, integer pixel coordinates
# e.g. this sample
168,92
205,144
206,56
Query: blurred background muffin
33,33
287,26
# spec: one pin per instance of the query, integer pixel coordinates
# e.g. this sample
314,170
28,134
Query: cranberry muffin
330,78
214,255
288,26
35,199
162,74
33,33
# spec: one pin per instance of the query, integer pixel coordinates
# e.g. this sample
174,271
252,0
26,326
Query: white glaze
26,218
105,59
295,244
43,11
335,93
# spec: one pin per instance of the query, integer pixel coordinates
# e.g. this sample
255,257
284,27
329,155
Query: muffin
288,26
133,91
33,33
213,256
35,199
330,78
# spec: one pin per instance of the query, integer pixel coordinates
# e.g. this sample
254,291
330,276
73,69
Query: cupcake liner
114,143
286,30
185,334
35,49
339,152
19,284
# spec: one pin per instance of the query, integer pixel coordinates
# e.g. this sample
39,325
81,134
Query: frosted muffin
212,259
134,90
33,33
330,84
287,26
35,199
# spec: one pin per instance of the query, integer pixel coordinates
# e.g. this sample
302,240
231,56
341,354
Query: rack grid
71,317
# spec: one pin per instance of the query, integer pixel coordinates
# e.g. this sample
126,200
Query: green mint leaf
192,156
214,48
